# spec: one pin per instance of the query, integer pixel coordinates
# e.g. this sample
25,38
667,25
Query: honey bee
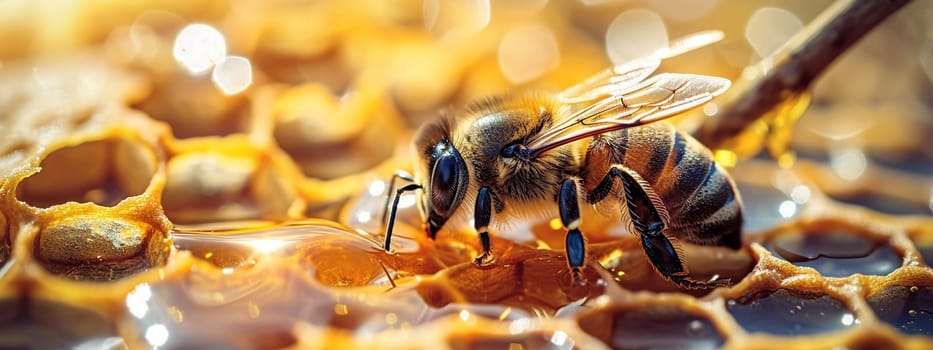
537,155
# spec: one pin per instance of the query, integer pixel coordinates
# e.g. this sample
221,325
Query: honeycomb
148,200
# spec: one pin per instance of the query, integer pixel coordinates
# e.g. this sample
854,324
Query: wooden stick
792,68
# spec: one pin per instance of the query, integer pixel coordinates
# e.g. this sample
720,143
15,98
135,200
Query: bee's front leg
482,214
570,217
649,219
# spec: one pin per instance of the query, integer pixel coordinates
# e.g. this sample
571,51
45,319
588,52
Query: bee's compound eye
444,182
445,172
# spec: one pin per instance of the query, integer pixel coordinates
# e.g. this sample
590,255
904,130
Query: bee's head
444,173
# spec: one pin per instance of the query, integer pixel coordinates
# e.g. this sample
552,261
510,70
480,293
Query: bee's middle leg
569,207
482,214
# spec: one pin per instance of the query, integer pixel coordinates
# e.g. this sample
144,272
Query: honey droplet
746,144
781,121
787,159
725,158
772,131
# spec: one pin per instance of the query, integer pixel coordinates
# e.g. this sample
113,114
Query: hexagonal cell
100,248
209,185
835,253
329,69
655,327
45,324
909,309
194,107
330,136
790,312
101,171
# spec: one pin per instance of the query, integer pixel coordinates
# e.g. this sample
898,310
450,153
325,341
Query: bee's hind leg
482,214
649,216
570,217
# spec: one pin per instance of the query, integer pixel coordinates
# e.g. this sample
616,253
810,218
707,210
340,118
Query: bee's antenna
394,209
398,175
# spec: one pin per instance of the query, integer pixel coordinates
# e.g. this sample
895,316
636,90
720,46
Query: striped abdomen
701,199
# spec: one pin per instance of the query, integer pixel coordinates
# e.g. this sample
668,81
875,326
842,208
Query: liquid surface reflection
836,253
658,327
46,324
909,309
249,287
791,313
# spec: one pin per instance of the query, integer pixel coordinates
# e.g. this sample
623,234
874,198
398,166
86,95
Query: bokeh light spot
527,52
769,28
635,34
199,47
456,18
233,75
848,163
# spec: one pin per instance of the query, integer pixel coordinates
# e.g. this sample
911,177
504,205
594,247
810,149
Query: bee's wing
626,104
611,81
619,79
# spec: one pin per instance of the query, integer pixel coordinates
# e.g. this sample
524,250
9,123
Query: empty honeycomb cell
329,136
97,248
46,324
193,107
208,186
328,69
790,312
655,327
229,179
102,171
909,309
275,193
836,253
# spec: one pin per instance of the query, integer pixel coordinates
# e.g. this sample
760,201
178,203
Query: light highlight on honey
199,47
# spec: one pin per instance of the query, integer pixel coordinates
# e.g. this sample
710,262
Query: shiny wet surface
656,327
908,309
836,253
787,312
